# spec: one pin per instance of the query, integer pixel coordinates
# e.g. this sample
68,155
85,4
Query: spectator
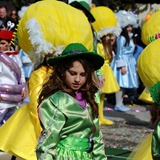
12,81
3,16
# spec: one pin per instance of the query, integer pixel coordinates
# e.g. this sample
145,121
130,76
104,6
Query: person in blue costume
124,63
67,108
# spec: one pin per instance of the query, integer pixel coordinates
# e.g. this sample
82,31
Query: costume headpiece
49,26
151,29
6,35
126,18
78,50
148,69
85,7
105,23
134,15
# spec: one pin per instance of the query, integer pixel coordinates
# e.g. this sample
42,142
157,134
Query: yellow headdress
49,26
151,28
106,21
149,69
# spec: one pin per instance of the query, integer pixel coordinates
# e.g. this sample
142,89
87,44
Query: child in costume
25,123
12,80
105,26
124,64
67,105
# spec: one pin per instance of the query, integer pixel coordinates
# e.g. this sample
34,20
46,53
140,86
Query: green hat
78,50
85,7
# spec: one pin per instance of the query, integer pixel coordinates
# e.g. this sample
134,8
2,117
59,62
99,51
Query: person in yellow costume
148,69
150,32
41,34
149,72
105,26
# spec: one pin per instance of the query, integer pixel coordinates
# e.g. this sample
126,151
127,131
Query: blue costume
137,52
124,58
26,63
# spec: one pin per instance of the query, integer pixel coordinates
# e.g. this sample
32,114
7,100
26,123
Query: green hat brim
76,4
93,57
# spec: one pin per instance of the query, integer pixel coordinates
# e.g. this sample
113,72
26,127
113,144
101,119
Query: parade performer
124,64
41,38
150,32
147,63
148,69
105,26
12,81
67,105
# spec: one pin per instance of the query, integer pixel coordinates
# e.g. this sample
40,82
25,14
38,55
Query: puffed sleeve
156,143
52,120
98,150
120,49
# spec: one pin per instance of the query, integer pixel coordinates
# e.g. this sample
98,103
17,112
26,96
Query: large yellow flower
49,26
106,21
151,29
149,64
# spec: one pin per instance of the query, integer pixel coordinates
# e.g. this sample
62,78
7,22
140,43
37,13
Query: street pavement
129,127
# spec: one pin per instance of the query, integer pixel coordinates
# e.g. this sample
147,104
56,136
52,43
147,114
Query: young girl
105,27
67,108
124,64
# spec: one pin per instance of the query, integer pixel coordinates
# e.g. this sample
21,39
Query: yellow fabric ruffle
143,150
146,97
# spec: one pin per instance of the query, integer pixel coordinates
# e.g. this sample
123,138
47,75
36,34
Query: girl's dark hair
107,47
57,82
155,113
124,33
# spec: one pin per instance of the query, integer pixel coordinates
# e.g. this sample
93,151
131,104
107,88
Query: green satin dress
156,143
67,128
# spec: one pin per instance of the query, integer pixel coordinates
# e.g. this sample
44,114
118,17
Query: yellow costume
145,96
144,148
46,27
148,69
20,134
110,85
105,25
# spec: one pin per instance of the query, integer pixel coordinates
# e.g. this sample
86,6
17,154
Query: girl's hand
123,70
101,81
24,94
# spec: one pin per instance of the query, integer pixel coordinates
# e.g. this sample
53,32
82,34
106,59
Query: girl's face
14,14
4,45
129,28
75,77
